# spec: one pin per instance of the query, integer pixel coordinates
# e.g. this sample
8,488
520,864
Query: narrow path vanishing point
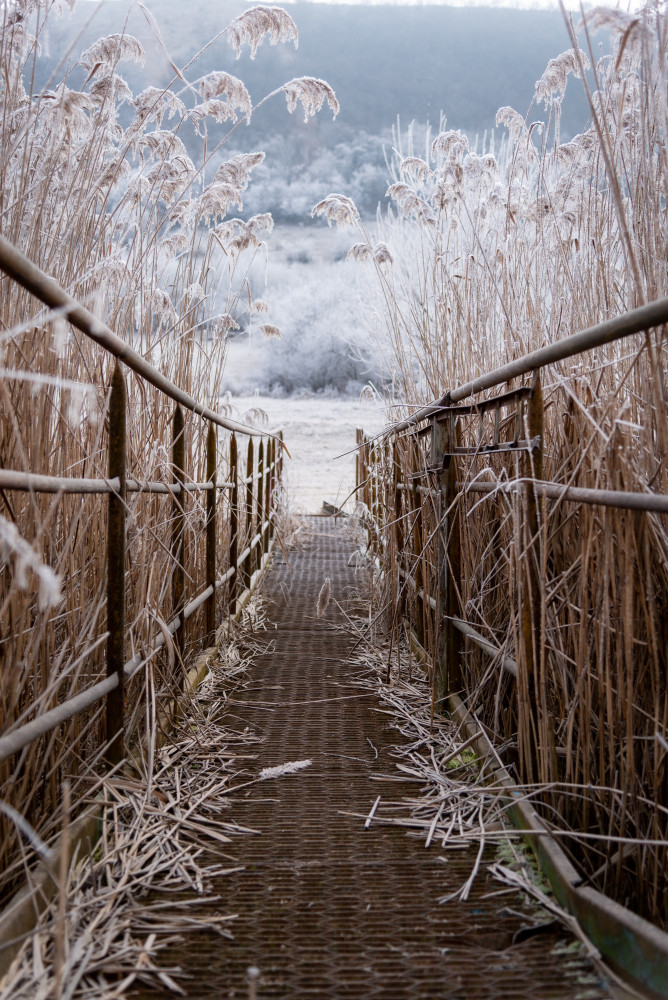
327,909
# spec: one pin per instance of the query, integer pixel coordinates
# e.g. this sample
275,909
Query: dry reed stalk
98,189
116,911
495,253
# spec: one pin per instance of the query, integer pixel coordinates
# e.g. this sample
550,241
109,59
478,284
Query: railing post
257,561
373,464
211,533
366,489
448,672
116,570
398,533
246,569
529,725
234,526
267,497
416,553
358,440
178,526
272,489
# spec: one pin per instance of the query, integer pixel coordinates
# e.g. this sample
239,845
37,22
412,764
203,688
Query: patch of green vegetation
515,853
467,758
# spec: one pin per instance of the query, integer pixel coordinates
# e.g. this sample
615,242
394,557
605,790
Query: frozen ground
317,429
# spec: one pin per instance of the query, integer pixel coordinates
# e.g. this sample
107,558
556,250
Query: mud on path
326,908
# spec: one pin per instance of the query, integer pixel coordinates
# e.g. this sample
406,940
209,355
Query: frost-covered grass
98,187
488,254
317,304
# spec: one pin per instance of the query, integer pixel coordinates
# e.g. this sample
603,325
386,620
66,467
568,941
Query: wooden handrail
47,290
635,321
21,737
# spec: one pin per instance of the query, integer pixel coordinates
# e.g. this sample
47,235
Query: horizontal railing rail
635,321
420,480
42,286
32,482
250,490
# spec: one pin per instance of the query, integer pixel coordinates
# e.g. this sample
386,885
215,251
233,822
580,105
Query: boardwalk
327,909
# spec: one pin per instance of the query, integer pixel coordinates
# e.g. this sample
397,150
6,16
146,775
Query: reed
98,189
485,256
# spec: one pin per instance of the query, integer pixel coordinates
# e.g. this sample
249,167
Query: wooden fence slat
178,527
116,570
211,462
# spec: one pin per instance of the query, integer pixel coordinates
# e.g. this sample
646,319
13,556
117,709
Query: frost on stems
415,167
154,104
256,23
221,325
237,170
312,93
14,548
452,145
360,252
218,84
337,208
105,54
220,111
216,199
193,295
410,203
554,79
513,121
380,254
239,235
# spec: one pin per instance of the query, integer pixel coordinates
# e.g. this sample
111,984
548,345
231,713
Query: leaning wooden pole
178,527
211,533
234,527
116,570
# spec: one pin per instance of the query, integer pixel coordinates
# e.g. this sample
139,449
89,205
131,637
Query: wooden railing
236,539
458,467
411,475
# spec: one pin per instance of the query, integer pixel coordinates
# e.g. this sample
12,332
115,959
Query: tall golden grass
98,189
484,258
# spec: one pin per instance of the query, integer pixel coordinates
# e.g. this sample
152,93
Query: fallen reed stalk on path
126,899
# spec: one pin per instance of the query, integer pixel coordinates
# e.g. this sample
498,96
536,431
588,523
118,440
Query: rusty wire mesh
326,908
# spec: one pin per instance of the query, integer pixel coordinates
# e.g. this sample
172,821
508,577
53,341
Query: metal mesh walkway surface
327,909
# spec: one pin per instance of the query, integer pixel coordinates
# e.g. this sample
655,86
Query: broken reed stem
63,870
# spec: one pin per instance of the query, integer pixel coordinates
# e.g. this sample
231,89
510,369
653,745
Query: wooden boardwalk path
327,909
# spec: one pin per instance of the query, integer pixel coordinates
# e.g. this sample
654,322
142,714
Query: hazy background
384,62
387,64
390,66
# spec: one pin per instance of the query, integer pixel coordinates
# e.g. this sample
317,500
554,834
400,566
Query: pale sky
516,4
